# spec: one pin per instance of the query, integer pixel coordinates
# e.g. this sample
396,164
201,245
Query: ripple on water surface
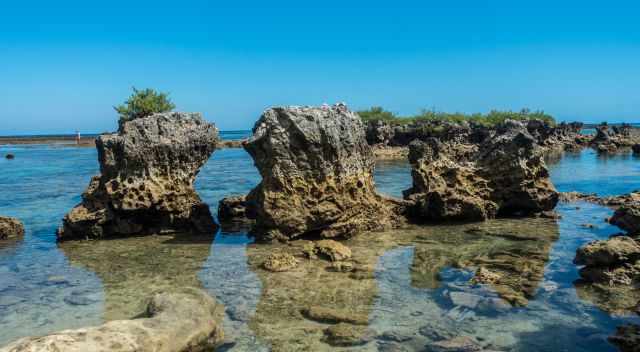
411,287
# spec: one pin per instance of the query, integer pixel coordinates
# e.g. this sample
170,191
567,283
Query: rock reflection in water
131,269
301,309
509,255
296,306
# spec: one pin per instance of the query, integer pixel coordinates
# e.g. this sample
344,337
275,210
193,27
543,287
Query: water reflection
131,269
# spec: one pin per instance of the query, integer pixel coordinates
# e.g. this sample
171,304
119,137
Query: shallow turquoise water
45,288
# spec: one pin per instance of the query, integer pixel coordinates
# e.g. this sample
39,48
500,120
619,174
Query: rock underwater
480,174
146,182
184,321
317,175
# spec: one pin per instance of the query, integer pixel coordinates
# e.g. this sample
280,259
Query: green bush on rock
143,103
489,119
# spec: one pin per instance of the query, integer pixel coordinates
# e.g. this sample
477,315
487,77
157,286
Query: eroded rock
627,217
182,321
10,228
233,208
615,261
146,182
317,175
476,176
280,261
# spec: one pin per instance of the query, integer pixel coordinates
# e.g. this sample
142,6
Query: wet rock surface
317,175
479,175
146,182
182,321
10,228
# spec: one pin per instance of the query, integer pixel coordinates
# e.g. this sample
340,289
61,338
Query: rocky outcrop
611,273
10,228
476,176
317,175
564,136
146,182
636,149
183,321
627,217
611,138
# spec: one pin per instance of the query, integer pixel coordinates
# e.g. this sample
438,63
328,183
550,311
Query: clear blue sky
64,64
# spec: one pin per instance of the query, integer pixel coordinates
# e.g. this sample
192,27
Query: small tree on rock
143,103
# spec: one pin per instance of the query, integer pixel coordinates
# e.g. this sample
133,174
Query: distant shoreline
90,140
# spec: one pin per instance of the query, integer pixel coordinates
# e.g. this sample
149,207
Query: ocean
420,290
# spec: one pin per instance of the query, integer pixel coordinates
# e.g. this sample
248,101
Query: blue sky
64,64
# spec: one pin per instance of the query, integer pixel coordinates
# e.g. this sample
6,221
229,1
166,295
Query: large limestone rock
10,228
480,175
317,174
183,321
146,182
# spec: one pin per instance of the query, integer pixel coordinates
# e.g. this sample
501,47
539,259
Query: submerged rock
502,174
10,156
627,338
146,182
183,321
509,256
456,344
330,249
317,175
10,228
280,261
345,335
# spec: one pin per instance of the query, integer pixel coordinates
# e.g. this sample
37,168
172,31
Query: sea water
420,291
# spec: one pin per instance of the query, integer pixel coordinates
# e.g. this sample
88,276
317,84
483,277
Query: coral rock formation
627,217
480,175
146,182
184,321
10,228
317,175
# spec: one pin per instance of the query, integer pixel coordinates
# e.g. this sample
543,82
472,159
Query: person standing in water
77,137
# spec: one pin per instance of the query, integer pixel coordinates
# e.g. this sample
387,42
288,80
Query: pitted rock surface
146,182
480,175
183,321
317,175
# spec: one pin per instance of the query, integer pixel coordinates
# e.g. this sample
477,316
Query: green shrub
490,119
377,113
143,103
